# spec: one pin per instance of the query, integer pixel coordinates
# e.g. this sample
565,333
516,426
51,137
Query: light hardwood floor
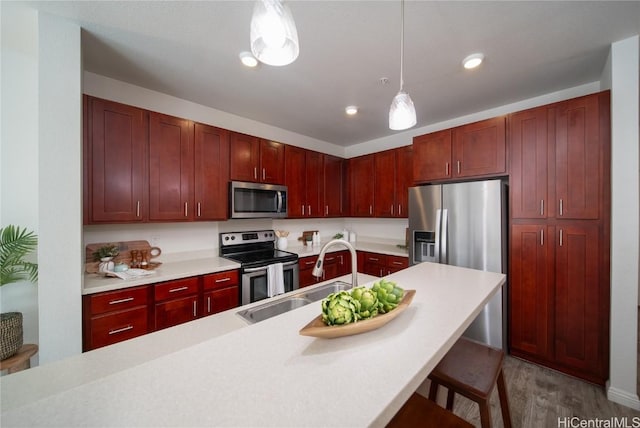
539,396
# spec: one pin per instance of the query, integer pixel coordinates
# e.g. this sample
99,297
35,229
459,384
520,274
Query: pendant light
402,114
274,38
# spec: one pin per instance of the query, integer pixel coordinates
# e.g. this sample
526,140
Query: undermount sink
301,298
324,290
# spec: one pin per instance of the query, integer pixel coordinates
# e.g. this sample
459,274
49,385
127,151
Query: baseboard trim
623,397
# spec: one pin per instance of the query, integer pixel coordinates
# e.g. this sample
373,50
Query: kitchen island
264,374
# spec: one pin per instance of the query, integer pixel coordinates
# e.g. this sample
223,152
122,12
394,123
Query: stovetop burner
253,249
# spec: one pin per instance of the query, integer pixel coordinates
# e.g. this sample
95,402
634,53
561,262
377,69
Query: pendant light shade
274,38
402,114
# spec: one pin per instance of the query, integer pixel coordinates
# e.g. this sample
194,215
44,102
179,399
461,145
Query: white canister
106,264
352,237
345,234
282,243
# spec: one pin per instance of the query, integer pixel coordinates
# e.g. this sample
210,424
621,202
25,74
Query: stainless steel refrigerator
464,224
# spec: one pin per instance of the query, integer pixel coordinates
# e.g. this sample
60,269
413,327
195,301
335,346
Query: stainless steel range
255,251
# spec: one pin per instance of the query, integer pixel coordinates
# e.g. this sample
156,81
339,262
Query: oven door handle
250,270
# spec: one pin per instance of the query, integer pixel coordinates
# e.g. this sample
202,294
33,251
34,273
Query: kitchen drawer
176,289
307,262
221,280
118,326
118,300
375,258
397,262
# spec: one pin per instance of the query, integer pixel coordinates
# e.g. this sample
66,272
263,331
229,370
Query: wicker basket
10,334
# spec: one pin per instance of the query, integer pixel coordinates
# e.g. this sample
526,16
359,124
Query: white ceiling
190,50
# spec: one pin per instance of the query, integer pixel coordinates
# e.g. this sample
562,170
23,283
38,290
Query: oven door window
254,284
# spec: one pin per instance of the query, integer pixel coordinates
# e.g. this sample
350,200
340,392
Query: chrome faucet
318,270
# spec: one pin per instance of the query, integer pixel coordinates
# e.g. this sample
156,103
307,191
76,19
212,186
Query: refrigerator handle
444,233
437,243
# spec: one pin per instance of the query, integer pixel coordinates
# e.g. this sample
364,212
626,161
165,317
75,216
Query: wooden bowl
317,327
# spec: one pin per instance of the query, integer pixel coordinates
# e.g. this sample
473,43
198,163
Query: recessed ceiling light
351,110
248,59
472,61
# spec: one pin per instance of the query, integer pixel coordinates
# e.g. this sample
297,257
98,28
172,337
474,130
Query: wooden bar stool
420,412
472,369
21,360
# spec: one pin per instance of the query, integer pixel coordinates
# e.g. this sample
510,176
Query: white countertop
184,265
218,371
167,271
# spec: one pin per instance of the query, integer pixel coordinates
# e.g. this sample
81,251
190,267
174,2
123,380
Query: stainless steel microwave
257,200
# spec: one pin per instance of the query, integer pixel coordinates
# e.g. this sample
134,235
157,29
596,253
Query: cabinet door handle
185,209
541,206
138,209
370,209
391,209
264,174
399,209
199,210
561,210
309,209
175,290
541,237
209,304
458,167
446,168
380,271
255,173
303,210
561,237
223,279
120,330
195,305
326,210
115,302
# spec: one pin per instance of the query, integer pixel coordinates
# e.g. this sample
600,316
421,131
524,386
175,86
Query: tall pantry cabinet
559,240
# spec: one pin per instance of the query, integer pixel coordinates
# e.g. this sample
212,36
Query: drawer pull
120,330
115,302
397,263
208,304
373,259
309,263
195,308
175,290
223,279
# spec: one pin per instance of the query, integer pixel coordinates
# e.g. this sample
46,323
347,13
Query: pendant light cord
401,44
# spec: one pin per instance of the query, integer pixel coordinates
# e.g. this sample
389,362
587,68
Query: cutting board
124,247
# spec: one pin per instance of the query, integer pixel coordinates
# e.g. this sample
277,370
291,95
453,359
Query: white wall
59,188
19,147
625,231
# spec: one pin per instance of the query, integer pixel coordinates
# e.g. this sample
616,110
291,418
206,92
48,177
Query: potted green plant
105,255
15,245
